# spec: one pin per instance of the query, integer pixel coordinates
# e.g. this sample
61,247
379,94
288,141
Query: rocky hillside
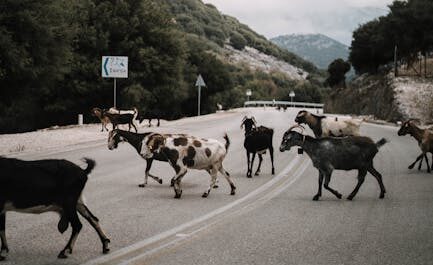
385,97
317,48
257,60
220,32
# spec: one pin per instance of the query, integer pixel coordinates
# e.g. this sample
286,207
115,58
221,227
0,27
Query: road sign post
199,83
292,95
248,93
114,67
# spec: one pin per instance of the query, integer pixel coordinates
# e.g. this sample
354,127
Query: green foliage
337,73
409,26
50,60
238,41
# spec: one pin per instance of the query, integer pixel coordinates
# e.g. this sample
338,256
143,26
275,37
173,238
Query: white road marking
137,251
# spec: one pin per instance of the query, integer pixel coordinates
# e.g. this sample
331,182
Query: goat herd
57,185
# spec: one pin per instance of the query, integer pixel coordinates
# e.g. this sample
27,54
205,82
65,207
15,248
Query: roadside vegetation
50,60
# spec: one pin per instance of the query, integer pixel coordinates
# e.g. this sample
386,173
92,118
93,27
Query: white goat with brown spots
183,152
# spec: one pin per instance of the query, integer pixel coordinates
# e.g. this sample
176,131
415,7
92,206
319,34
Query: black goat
257,140
47,185
329,153
136,140
116,119
150,115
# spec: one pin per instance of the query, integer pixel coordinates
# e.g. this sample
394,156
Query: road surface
271,219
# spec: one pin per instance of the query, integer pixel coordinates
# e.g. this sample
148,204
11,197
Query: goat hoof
105,250
410,167
316,198
382,195
350,198
233,192
178,194
205,195
215,186
62,255
160,181
141,185
339,196
256,174
6,249
273,171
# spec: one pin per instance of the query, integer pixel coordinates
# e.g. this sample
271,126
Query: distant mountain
316,48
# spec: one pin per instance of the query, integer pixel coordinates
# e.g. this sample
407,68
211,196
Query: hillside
396,98
217,30
316,48
50,61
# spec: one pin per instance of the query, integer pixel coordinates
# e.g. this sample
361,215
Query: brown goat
424,138
97,112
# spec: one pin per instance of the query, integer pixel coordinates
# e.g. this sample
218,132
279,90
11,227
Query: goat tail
227,141
381,142
90,165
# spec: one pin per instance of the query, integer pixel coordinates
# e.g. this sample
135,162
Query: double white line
136,253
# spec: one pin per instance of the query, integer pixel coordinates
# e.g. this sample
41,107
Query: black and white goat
47,185
136,140
345,153
183,152
323,126
119,118
257,140
424,137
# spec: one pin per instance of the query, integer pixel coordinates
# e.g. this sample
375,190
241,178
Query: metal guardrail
283,103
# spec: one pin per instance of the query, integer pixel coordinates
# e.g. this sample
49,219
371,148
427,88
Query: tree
35,52
238,41
337,73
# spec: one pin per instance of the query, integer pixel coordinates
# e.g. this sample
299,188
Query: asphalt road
271,219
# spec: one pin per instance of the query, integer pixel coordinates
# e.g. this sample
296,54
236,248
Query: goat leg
251,165
326,185
432,161
176,183
248,165
426,160
319,192
378,177
157,179
420,163
260,164
229,180
94,222
71,212
213,172
4,246
361,178
418,158
271,153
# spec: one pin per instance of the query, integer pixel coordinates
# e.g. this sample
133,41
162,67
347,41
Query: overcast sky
334,18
